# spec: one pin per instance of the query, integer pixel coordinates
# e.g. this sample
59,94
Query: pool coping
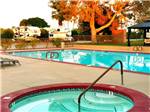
30,50
141,101
22,50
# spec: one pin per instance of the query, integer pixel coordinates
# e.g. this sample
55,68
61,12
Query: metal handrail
51,54
91,85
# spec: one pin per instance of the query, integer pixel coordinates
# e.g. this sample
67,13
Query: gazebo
145,26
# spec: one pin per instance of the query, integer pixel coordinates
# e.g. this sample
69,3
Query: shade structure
145,26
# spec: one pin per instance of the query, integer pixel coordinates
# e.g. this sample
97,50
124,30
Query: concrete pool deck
141,49
35,72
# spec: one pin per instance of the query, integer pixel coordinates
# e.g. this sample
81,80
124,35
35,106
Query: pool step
58,107
92,102
103,99
73,107
98,106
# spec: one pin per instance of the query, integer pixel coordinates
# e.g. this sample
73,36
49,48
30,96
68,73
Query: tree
36,21
58,12
44,33
24,22
140,10
63,10
92,11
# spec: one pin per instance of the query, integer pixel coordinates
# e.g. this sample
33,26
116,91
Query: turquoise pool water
66,101
136,62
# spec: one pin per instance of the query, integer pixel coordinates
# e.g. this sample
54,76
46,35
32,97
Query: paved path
35,72
140,49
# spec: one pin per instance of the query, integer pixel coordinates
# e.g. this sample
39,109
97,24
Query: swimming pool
63,98
136,62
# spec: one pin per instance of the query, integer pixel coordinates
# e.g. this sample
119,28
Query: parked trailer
27,31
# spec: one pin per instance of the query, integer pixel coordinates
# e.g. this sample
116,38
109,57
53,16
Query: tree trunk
94,30
92,25
60,22
93,35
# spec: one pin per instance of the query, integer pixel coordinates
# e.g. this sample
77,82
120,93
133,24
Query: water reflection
131,61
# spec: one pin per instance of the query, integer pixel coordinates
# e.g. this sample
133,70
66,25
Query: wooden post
144,36
129,32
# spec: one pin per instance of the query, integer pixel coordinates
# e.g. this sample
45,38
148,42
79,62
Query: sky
13,11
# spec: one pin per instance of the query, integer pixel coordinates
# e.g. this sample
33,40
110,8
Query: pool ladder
52,54
91,85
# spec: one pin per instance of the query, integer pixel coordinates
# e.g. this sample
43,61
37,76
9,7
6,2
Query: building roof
143,25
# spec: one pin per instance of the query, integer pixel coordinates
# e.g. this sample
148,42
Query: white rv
65,35
27,31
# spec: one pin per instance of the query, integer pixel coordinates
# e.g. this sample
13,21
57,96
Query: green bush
44,33
57,42
7,34
76,32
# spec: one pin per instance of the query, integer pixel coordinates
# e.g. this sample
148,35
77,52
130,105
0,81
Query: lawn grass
137,42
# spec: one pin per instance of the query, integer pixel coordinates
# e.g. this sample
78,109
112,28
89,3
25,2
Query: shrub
20,44
44,33
86,32
7,33
6,43
1,31
34,42
74,32
57,42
